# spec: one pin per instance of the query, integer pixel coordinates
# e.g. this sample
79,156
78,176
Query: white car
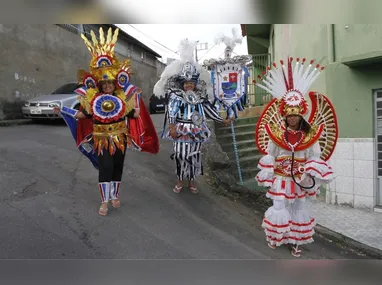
42,107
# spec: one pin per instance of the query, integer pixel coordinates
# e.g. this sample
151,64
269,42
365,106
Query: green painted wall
309,41
352,40
351,92
350,89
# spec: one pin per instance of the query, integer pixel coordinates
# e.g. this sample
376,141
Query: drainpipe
330,193
331,50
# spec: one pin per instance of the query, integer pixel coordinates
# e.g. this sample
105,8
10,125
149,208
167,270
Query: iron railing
256,95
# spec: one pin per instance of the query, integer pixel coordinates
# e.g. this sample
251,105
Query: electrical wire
207,51
175,52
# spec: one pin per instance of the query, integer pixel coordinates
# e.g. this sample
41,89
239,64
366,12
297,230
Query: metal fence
256,95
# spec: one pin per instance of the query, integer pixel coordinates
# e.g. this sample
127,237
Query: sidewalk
362,226
359,229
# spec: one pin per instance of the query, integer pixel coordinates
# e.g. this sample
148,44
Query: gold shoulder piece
276,130
85,104
90,93
85,100
270,117
323,114
130,102
312,134
80,75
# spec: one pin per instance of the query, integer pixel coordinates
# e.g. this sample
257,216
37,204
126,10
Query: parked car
42,107
157,104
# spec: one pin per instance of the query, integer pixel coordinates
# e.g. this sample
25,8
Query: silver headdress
184,69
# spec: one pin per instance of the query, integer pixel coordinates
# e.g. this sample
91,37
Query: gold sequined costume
116,120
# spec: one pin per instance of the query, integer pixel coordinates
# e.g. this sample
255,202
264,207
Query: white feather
230,41
186,52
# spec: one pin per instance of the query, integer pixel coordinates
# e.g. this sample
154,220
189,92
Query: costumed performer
187,87
296,150
112,116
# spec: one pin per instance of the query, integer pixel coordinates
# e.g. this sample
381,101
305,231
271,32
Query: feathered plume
186,50
230,41
186,53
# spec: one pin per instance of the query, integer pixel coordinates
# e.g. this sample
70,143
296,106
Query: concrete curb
349,242
8,123
257,198
221,179
326,232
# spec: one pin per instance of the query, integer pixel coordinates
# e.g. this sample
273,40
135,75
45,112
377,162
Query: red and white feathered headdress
290,84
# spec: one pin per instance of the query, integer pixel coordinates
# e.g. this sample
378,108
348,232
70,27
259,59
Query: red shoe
177,189
193,190
295,251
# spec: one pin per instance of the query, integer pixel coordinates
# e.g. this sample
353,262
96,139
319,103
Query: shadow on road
50,122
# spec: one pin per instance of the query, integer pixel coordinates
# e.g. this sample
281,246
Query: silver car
42,107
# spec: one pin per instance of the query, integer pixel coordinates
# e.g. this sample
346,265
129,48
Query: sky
164,39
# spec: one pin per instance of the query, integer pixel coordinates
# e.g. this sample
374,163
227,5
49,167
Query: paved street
49,202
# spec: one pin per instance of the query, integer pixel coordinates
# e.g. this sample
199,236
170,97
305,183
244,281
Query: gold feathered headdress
104,65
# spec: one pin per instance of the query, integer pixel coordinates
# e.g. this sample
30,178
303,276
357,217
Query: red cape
84,128
142,130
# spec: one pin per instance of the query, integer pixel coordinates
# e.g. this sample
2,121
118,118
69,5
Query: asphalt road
49,202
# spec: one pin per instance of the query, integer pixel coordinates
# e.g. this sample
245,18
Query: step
247,172
243,152
249,178
227,145
246,121
237,129
251,184
239,136
247,161
240,121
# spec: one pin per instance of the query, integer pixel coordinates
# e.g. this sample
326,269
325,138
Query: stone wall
37,59
144,76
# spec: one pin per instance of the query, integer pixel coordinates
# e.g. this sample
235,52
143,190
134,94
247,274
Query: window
67,89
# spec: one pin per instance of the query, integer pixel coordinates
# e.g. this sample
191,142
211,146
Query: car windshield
67,89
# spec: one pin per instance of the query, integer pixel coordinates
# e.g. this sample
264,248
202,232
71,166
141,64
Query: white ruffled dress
288,221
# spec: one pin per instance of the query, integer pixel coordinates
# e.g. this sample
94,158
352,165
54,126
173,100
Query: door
378,139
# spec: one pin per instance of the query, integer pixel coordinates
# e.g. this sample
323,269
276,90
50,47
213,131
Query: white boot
114,193
104,189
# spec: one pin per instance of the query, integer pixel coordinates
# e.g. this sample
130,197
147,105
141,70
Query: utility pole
200,46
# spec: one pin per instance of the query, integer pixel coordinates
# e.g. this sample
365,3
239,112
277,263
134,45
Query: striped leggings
188,159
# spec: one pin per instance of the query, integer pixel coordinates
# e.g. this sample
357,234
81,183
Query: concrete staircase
248,153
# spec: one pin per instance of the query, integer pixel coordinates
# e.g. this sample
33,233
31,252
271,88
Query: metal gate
256,95
378,140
